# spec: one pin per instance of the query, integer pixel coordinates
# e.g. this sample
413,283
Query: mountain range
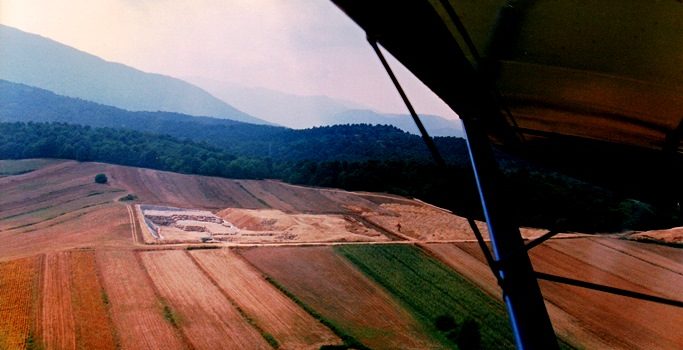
301,111
41,62
23,103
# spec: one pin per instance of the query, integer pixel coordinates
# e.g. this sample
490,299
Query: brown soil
135,309
269,308
292,198
103,226
204,315
59,207
277,226
16,305
590,318
159,187
94,329
334,288
425,222
57,318
670,236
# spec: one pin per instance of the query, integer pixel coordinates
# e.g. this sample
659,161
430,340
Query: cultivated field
197,306
73,314
334,288
590,318
94,329
431,290
53,301
23,166
59,207
17,287
269,309
57,325
672,236
308,267
423,222
136,311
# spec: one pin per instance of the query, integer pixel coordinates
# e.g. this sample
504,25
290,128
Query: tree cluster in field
345,157
101,179
467,335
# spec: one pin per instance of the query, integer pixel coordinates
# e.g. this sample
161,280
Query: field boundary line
40,305
598,240
136,227
251,321
340,190
54,217
107,303
132,224
36,330
425,249
393,236
161,300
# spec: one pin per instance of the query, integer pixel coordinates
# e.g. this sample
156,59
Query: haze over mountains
41,62
340,156
23,103
44,63
299,112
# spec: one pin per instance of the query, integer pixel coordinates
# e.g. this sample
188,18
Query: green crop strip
431,291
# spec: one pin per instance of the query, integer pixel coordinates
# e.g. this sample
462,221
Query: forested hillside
24,103
541,199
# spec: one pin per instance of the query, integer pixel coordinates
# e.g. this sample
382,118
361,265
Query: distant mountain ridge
300,112
435,125
290,110
41,62
23,103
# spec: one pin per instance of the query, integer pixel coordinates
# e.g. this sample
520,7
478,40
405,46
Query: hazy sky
306,47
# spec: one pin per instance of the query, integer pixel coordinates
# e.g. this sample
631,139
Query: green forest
584,187
22,103
541,198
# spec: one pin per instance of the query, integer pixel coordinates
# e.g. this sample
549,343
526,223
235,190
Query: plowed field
57,325
334,288
424,222
94,329
72,274
135,309
591,318
17,286
59,207
276,314
204,315
431,290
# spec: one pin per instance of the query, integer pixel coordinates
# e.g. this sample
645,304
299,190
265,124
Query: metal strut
432,149
529,318
423,132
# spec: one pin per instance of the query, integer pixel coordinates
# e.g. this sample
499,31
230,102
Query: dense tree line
21,103
541,198
126,147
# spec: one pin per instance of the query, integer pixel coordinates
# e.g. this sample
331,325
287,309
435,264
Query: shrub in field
129,197
469,337
445,323
170,316
101,179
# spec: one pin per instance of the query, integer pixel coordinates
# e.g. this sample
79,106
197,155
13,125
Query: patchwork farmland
264,264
